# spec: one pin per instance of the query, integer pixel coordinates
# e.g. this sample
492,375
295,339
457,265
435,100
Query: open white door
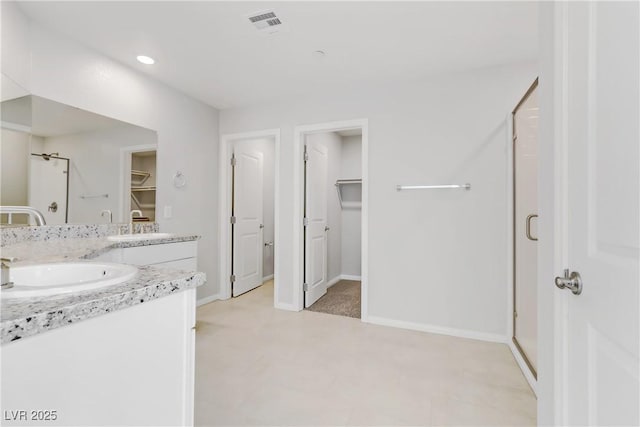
315,228
600,327
247,225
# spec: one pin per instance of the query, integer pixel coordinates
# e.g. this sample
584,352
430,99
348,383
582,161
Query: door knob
572,281
53,207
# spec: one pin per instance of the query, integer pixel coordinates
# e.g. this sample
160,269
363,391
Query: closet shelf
350,202
140,177
140,173
149,188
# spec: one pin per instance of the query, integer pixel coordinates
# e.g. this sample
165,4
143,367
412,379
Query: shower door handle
528,227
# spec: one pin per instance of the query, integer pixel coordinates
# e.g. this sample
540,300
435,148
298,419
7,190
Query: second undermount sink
138,236
65,277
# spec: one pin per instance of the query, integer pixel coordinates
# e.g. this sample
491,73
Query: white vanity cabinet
180,255
131,367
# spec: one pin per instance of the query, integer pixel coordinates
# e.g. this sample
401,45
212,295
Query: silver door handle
268,244
528,227
572,281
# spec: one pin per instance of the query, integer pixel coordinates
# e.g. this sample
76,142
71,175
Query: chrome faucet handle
139,212
4,264
109,213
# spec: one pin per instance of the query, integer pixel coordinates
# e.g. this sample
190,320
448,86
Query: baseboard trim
523,367
207,300
333,281
433,329
267,278
287,307
340,277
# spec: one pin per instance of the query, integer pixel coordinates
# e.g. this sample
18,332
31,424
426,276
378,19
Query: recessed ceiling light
319,54
146,60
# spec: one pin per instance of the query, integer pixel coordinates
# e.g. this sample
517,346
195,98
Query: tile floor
258,366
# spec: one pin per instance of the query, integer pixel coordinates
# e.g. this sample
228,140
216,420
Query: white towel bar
432,187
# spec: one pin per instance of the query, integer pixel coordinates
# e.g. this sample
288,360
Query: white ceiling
210,51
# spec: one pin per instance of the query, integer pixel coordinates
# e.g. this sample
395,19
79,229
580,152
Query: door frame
553,211
224,208
298,205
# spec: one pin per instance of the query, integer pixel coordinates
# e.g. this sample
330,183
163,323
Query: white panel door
601,327
525,165
247,209
315,264
48,188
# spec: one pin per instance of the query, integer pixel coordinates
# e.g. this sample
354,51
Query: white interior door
600,345
315,230
525,166
48,188
247,236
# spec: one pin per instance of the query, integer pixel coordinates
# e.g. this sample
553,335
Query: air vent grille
265,21
262,17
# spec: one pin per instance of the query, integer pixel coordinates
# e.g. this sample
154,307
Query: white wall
15,40
351,168
436,258
94,165
14,168
267,147
333,142
67,72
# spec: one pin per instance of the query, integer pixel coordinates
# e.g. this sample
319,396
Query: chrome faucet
139,212
108,212
6,276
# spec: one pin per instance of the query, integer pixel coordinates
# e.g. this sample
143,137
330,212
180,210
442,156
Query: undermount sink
65,277
138,236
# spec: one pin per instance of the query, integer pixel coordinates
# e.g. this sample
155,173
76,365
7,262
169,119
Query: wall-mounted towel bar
94,196
432,187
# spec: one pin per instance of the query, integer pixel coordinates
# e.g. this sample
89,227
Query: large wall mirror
74,166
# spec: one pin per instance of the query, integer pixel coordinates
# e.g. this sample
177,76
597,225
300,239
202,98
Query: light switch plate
168,212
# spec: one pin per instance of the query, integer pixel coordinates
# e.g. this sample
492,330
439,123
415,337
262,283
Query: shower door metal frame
46,157
514,138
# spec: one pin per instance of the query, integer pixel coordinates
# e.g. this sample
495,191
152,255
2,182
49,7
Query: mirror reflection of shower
47,157
38,138
49,186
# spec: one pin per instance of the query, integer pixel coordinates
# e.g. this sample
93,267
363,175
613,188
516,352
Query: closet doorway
248,202
139,179
525,227
332,231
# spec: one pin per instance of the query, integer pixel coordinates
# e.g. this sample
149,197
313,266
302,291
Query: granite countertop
24,317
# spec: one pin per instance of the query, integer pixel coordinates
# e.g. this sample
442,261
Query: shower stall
49,186
525,221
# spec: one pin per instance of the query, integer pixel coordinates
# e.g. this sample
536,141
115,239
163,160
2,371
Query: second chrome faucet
135,211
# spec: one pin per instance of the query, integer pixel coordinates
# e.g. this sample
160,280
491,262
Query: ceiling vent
266,21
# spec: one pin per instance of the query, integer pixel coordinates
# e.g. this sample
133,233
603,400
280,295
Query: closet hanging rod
94,196
432,187
349,181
